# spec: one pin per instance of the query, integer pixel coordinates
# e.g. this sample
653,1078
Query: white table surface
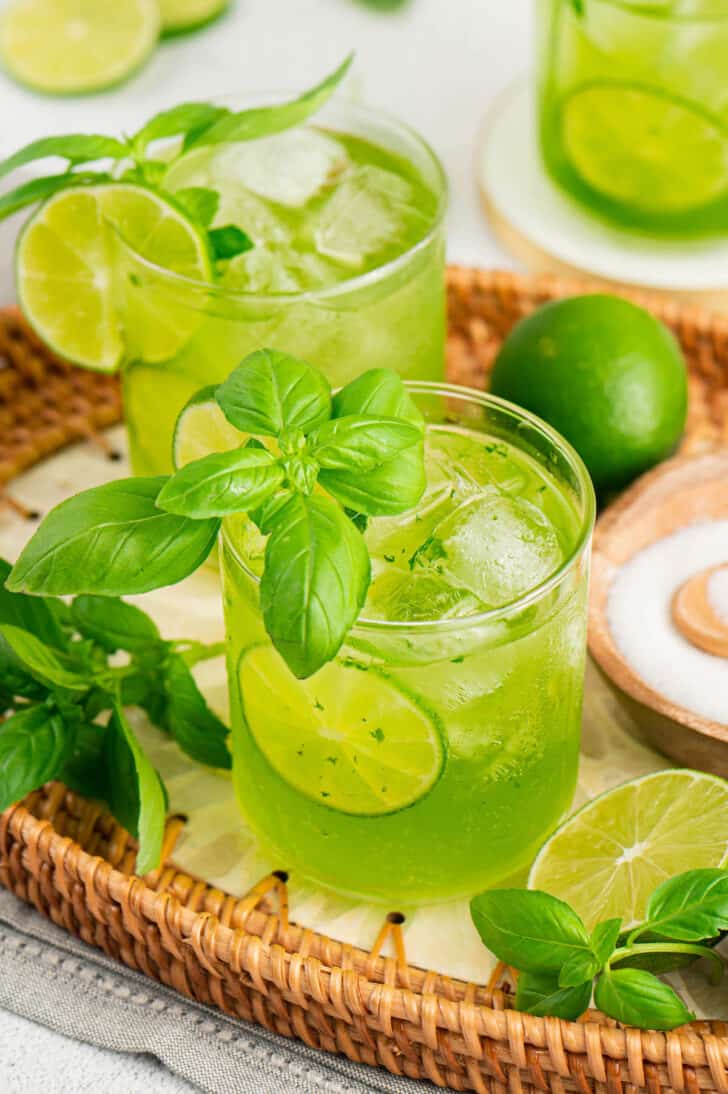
438,64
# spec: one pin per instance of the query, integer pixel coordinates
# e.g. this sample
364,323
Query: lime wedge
179,16
67,259
349,737
644,147
66,47
202,428
606,859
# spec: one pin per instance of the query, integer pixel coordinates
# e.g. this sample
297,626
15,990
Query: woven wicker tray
74,863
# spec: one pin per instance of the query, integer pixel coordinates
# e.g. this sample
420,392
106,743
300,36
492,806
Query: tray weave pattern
73,862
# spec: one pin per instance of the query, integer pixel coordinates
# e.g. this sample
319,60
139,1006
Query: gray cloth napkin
52,978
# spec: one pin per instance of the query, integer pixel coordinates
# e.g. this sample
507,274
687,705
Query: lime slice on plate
66,261
202,428
608,857
179,16
350,737
644,147
66,47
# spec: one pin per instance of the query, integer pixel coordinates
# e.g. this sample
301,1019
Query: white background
438,64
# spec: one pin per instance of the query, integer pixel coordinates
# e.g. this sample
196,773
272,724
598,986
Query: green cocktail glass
633,110
347,269
433,756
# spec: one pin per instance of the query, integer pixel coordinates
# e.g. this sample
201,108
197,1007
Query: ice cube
288,169
496,546
269,270
410,597
371,210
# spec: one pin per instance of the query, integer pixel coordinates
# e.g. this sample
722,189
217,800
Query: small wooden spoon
694,617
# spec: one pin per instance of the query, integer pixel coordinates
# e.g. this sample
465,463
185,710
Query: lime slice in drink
179,16
66,47
606,859
68,263
202,428
350,737
645,148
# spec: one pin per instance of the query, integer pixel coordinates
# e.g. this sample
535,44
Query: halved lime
68,274
179,16
74,46
202,428
644,147
350,737
610,855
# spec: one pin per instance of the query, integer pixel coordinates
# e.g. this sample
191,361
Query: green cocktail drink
347,267
434,754
633,110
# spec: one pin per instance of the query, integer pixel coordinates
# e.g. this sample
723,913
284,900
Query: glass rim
531,596
341,288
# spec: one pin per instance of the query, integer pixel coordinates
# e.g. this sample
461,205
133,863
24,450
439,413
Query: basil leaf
361,444
381,393
136,796
196,729
539,993
229,241
35,190
222,483
112,540
177,122
637,998
397,485
16,680
267,515
530,930
690,907
34,745
75,147
579,968
114,624
604,939
316,577
266,120
41,660
271,391
84,769
199,203
30,613
392,488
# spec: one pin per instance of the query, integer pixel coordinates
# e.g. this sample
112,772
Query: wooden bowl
677,493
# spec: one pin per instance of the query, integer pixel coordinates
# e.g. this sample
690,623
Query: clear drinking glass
438,750
633,110
391,314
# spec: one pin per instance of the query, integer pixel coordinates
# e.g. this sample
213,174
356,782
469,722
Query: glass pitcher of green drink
311,226
633,110
434,754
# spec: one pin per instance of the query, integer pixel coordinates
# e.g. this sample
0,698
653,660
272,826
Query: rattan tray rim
330,994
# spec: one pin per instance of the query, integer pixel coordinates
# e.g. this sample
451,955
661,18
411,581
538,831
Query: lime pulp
349,737
180,16
66,263
644,147
76,46
608,857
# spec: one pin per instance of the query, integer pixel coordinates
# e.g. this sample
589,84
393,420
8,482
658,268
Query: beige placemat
215,843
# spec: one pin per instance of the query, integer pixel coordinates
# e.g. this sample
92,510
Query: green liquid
502,696
330,210
633,111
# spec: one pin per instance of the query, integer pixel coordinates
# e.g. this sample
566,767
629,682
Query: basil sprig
62,698
133,159
561,964
328,464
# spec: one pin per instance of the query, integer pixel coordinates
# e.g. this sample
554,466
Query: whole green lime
606,374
